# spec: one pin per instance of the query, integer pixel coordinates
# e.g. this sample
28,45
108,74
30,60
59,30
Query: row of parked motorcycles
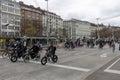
27,55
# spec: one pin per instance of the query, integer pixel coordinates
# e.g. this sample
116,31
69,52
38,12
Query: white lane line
103,55
63,66
1,57
112,71
113,64
69,67
37,62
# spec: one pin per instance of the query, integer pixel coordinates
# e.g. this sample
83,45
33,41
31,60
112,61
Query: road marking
113,64
69,67
63,66
37,62
110,70
1,57
103,55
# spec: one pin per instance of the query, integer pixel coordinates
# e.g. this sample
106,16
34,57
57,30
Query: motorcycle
15,55
49,57
31,55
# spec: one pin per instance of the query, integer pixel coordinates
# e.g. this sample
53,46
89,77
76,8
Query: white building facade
82,29
70,27
9,18
77,28
52,24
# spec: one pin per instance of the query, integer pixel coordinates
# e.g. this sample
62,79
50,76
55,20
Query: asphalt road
72,65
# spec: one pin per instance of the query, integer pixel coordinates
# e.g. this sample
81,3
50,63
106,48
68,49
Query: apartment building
77,29
40,21
9,18
70,28
31,20
53,24
82,29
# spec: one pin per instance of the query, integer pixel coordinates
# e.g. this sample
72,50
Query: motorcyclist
35,50
67,45
21,49
51,50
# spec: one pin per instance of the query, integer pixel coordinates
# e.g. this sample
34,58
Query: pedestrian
113,46
119,45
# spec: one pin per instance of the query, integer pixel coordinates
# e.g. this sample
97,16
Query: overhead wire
111,17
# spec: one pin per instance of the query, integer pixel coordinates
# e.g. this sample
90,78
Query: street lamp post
47,24
113,35
98,35
0,18
113,31
25,40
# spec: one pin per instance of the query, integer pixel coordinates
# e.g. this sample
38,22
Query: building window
4,20
4,34
17,11
4,8
11,33
11,21
28,16
17,34
4,27
10,9
11,27
4,15
17,18
11,4
11,16
16,28
17,23
33,17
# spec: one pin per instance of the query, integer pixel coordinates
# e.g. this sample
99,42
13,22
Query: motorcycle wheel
26,58
4,55
13,58
44,60
9,55
55,58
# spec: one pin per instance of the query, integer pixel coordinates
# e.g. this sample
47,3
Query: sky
108,11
